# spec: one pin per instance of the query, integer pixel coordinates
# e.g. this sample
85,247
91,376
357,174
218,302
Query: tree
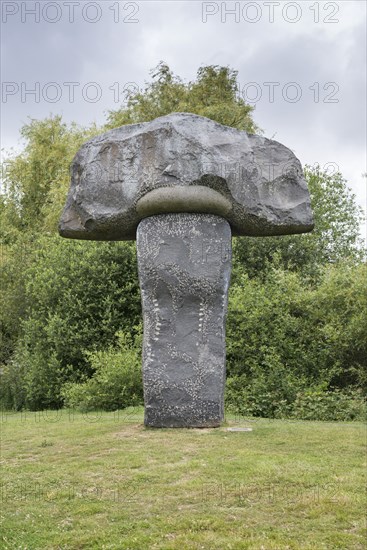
213,94
285,338
36,181
76,297
335,236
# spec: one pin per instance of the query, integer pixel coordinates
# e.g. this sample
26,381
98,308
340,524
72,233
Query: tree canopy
213,94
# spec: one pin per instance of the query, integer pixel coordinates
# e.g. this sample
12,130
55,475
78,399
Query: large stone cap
184,163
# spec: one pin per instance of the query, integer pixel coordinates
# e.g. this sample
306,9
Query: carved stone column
184,271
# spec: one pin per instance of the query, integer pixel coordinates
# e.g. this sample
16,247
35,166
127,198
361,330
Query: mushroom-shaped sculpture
182,185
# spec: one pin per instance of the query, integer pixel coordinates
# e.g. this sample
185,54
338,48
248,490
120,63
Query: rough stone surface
184,163
184,271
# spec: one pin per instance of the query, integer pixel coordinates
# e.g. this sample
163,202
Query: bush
268,395
330,405
316,334
261,397
12,393
73,296
117,380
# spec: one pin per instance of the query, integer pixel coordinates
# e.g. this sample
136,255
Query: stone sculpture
182,185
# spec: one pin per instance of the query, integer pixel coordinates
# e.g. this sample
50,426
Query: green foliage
36,180
282,395
116,382
77,295
15,259
337,217
339,311
330,405
269,395
268,325
213,94
335,236
9,222
12,391
35,183
284,337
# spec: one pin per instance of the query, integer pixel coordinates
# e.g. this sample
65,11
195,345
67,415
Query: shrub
267,394
260,397
12,394
283,327
76,296
330,405
116,382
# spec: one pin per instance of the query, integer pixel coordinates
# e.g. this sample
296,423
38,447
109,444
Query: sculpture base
184,265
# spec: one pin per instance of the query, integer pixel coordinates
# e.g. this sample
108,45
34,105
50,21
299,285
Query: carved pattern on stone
184,279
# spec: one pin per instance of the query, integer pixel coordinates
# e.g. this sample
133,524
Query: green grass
73,481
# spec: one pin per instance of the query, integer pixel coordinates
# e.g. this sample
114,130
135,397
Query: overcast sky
302,64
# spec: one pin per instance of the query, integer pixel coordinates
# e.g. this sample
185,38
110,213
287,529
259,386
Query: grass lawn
73,481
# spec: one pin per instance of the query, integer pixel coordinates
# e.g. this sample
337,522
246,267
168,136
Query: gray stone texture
184,163
184,271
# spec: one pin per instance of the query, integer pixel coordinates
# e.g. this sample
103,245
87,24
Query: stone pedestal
184,272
